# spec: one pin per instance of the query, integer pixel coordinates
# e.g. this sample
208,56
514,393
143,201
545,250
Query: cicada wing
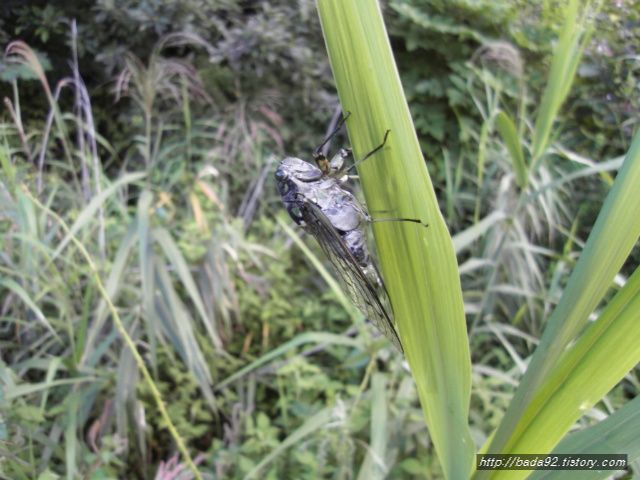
376,279
351,277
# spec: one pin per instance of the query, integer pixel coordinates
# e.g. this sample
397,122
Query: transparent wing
351,277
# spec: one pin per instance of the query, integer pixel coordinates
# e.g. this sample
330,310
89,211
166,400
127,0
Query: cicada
316,200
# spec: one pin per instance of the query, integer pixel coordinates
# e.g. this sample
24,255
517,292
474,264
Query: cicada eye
280,175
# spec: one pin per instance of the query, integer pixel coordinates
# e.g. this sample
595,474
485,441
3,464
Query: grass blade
618,433
418,263
373,467
89,213
511,139
571,43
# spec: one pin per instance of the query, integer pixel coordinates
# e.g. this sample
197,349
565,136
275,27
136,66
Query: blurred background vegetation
152,130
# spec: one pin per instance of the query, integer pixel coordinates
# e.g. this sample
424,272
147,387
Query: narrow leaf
509,134
418,263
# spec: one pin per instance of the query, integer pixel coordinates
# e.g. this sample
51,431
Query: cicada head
294,179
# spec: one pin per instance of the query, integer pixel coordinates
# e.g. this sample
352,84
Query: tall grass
147,275
93,289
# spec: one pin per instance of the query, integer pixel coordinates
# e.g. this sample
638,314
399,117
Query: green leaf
29,388
28,301
308,337
374,466
419,264
509,134
616,434
70,434
88,214
181,267
573,39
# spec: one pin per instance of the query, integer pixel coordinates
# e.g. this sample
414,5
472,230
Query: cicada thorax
347,216
316,200
300,181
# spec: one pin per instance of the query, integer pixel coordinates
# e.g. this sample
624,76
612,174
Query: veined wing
351,277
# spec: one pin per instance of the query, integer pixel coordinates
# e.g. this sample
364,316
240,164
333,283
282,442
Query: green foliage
179,316
439,39
260,61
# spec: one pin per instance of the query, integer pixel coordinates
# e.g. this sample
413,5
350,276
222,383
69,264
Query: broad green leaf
591,367
418,263
145,257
